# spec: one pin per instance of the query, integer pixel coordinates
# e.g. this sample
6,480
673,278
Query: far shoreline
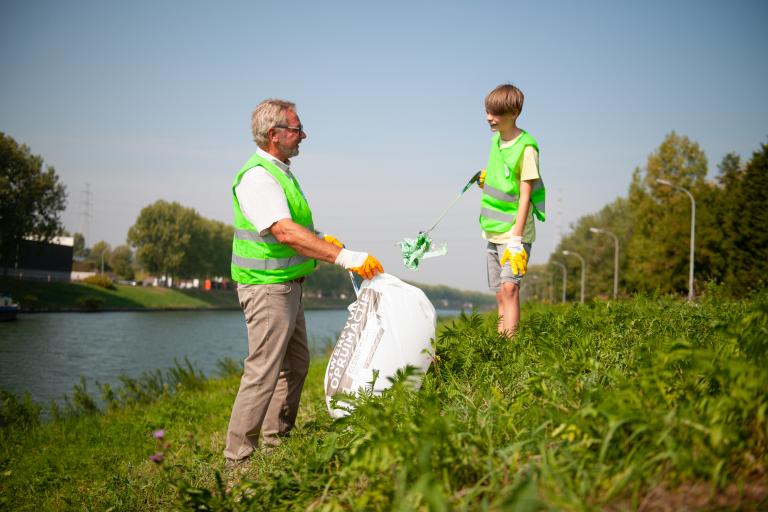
313,307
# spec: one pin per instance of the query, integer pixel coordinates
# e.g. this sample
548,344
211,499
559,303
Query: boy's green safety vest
501,192
262,259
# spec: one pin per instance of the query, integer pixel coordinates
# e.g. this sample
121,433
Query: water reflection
46,354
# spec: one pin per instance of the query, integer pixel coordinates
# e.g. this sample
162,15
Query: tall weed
588,406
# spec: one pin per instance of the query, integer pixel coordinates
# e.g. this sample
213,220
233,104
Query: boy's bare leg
508,301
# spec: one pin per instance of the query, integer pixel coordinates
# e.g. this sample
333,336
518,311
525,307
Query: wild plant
588,406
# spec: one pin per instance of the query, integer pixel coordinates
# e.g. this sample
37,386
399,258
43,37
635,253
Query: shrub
15,412
30,302
100,280
90,303
229,367
597,406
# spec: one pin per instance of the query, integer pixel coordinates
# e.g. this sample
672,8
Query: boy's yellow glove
333,240
481,179
516,255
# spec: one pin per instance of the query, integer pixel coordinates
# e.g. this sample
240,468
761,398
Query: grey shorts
497,274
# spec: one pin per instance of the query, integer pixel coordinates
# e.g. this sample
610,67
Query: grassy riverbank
76,296
650,404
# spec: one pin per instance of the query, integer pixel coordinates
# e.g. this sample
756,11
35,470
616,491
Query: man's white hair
268,114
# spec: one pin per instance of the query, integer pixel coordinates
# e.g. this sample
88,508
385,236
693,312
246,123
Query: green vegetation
332,282
331,289
447,297
174,240
653,225
42,296
651,403
31,198
100,280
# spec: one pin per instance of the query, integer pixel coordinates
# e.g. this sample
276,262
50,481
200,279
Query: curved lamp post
615,259
565,275
536,289
693,230
583,270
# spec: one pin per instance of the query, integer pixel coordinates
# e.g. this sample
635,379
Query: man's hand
516,255
333,240
361,263
481,179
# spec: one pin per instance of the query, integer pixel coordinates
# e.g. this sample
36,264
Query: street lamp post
693,230
615,259
536,290
551,287
565,275
583,270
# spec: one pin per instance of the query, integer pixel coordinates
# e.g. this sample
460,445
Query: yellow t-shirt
529,170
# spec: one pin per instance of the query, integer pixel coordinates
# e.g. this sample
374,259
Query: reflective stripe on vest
253,236
497,215
272,264
498,194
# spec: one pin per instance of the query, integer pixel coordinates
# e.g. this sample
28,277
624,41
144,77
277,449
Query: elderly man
275,246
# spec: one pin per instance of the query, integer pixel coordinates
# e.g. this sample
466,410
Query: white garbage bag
389,327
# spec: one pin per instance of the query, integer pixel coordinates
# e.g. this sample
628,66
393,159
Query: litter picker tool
466,187
414,250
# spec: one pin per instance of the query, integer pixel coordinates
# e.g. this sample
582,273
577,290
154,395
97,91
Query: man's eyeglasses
297,129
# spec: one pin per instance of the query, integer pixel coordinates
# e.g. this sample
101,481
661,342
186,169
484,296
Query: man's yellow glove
481,179
516,255
361,263
333,240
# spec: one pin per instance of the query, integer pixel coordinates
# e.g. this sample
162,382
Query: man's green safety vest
501,192
262,259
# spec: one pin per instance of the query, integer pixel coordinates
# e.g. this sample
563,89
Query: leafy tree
597,251
161,235
79,250
221,257
121,261
653,226
748,265
328,281
176,241
31,198
731,171
99,254
210,248
442,295
658,254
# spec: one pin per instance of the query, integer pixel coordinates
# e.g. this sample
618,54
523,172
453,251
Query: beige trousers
274,371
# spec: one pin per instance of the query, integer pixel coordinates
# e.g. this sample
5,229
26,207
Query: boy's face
501,122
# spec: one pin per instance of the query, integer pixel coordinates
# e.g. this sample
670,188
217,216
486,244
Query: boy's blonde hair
268,114
504,99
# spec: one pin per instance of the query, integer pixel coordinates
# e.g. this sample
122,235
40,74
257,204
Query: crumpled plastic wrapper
420,248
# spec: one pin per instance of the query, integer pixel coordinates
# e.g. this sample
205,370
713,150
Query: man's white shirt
261,197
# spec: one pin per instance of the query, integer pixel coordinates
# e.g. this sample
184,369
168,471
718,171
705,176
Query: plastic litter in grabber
422,247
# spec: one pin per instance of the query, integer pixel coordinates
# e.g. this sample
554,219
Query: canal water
46,354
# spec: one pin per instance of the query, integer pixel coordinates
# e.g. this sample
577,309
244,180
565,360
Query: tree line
167,239
652,224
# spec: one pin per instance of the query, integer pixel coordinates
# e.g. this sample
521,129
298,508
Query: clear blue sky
152,100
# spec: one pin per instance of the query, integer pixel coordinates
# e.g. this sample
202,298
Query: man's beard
289,152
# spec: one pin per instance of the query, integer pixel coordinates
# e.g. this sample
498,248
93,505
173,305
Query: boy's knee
507,292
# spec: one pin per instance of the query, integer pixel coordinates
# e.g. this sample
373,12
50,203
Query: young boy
513,194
